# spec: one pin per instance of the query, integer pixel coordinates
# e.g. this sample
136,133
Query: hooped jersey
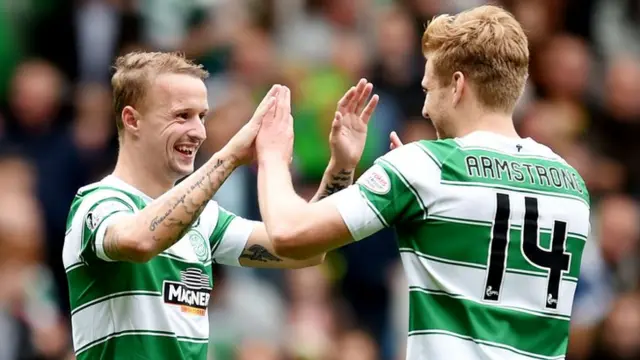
153,310
491,232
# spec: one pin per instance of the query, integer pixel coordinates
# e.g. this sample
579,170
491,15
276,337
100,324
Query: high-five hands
242,143
275,139
349,127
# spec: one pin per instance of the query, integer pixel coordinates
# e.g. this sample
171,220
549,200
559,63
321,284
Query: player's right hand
242,143
394,141
275,139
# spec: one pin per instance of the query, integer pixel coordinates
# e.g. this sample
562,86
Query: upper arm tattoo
341,180
259,253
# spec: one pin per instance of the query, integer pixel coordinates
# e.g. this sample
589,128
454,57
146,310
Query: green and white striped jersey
491,232
154,310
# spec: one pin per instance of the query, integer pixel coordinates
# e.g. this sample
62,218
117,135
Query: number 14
555,262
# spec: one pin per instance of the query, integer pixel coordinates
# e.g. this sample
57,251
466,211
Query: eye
183,115
203,116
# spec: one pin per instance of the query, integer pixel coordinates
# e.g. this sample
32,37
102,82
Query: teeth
184,149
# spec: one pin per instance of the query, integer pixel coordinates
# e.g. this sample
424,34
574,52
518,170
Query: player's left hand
349,126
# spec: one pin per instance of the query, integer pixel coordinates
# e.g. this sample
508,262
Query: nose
198,133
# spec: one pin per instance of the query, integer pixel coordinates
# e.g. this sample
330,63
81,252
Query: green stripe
469,244
459,296
517,172
399,203
373,208
140,344
408,184
88,283
440,149
542,336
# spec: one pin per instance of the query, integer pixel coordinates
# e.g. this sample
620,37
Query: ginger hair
488,46
135,72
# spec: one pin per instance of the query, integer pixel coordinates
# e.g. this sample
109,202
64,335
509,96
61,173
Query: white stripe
461,184
442,345
233,241
135,312
479,203
519,292
356,213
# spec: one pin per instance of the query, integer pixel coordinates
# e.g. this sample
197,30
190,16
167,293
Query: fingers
370,108
267,104
337,122
281,104
360,89
347,98
272,93
395,140
287,101
363,96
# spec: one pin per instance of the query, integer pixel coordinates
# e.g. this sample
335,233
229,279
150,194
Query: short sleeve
99,214
382,197
229,237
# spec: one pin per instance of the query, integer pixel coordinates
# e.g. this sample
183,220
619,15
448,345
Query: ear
130,119
457,83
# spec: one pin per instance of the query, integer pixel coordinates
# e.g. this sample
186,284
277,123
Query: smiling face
171,126
160,101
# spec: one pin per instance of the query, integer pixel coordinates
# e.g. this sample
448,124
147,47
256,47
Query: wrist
272,158
229,157
336,165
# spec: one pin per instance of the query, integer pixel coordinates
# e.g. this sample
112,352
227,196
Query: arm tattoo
338,181
188,205
259,253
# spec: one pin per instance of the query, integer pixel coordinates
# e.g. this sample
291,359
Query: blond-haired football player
138,249
491,226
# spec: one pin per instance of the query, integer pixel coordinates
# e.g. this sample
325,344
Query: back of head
135,72
486,44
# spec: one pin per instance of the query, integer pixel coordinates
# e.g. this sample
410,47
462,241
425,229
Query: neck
138,173
497,123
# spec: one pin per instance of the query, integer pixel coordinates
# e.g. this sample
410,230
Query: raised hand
242,143
275,138
349,127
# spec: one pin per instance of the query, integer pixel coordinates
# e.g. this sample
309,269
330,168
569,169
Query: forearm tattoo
338,181
187,206
259,253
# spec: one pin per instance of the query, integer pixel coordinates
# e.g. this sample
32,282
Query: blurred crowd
57,133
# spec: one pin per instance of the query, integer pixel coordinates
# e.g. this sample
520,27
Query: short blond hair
486,44
135,71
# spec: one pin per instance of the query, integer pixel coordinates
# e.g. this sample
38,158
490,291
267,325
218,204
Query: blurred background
57,133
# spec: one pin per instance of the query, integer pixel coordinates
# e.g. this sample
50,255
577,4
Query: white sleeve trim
102,229
356,212
233,242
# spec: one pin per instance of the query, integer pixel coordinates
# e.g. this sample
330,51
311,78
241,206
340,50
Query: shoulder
96,201
417,160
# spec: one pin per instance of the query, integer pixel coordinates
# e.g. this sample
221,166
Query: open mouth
185,150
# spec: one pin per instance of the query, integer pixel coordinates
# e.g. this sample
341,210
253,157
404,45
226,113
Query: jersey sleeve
385,195
229,237
94,215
